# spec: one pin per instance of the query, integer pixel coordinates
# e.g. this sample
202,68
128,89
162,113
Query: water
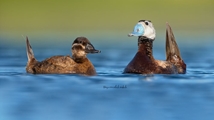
110,94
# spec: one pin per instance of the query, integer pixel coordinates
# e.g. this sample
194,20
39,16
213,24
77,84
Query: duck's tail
31,59
172,51
30,54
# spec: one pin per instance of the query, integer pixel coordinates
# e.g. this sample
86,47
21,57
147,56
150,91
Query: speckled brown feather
63,65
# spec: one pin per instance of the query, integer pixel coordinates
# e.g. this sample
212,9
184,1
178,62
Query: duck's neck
145,46
79,59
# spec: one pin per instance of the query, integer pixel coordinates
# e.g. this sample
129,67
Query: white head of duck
144,28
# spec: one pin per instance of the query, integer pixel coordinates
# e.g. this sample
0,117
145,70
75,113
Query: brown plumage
144,62
78,63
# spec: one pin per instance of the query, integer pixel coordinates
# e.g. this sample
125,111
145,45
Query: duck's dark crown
144,20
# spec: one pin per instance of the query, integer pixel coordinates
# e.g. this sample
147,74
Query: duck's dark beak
90,49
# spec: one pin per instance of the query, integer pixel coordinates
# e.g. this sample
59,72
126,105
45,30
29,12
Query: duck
144,61
78,63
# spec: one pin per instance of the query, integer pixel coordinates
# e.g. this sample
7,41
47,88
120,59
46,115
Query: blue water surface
110,95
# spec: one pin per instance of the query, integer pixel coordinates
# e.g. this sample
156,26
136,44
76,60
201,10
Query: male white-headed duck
78,63
144,62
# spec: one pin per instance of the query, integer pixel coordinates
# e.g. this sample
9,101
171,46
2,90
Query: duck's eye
146,23
84,44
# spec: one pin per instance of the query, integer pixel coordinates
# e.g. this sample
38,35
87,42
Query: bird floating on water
144,62
78,63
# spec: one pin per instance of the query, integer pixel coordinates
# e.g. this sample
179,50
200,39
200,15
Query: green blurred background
97,19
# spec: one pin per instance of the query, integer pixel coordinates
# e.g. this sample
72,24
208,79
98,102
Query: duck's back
63,65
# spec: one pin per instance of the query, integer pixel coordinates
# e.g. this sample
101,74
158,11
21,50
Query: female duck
77,64
144,62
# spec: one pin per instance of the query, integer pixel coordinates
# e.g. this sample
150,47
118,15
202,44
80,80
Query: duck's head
81,46
144,28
